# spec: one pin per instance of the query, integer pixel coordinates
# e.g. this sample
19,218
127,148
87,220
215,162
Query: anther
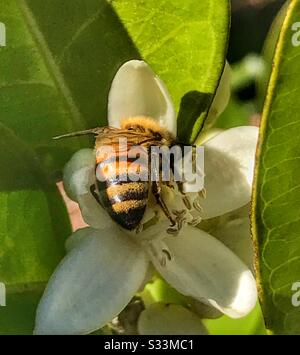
179,213
197,205
167,253
139,228
195,221
187,202
202,193
173,231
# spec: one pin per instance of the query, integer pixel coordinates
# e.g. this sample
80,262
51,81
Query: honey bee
120,191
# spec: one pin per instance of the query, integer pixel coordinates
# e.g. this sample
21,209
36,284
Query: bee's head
148,126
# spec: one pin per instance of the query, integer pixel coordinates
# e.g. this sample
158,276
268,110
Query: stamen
180,218
179,213
139,228
167,253
160,252
202,193
180,221
173,231
197,205
195,221
187,202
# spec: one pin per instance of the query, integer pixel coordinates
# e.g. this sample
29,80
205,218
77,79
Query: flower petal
93,213
169,319
77,237
137,91
79,176
92,285
229,164
79,173
221,98
203,268
236,236
205,311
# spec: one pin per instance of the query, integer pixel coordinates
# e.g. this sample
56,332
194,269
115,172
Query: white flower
105,266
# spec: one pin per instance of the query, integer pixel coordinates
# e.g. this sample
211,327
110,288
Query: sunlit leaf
65,54
185,42
276,200
252,324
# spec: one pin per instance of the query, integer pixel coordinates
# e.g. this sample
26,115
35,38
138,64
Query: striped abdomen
124,199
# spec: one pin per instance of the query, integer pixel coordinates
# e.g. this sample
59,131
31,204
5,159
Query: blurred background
250,52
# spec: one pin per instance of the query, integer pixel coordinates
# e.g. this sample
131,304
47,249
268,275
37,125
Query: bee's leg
94,192
156,190
177,222
196,204
181,219
185,198
169,184
180,216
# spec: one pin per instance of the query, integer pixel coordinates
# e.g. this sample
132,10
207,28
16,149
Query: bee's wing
132,138
111,135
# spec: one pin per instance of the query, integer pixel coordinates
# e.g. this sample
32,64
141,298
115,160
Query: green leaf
276,198
56,71
19,314
236,114
65,54
33,227
185,42
252,324
159,291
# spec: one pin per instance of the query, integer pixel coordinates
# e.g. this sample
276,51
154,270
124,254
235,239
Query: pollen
125,206
114,190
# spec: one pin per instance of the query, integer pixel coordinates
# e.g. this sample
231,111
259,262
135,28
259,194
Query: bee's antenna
76,134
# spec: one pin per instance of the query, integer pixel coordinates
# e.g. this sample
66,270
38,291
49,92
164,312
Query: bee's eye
157,136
